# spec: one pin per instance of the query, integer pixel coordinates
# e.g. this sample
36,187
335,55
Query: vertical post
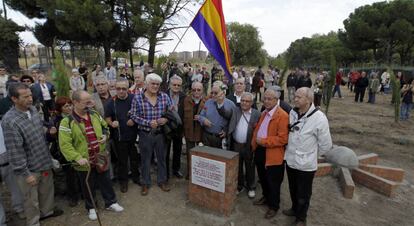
25,56
5,9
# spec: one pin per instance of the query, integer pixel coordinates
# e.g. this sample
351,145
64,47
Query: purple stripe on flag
211,42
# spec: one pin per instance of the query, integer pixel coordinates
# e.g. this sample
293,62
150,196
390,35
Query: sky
279,22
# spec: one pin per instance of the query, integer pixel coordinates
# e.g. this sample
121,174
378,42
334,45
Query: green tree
245,45
60,77
9,43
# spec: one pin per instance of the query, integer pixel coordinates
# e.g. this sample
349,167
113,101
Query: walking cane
90,194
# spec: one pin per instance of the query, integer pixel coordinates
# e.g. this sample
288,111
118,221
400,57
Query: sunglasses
177,85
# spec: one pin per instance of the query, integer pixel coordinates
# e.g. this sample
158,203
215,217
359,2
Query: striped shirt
143,112
26,142
92,140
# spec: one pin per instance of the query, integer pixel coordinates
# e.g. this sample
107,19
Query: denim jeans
405,110
337,88
148,144
371,97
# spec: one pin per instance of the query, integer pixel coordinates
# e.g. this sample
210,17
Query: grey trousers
16,195
38,199
2,215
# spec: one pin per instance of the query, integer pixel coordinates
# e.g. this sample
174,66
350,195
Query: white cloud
280,22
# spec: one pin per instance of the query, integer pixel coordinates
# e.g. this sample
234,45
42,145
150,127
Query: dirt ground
363,127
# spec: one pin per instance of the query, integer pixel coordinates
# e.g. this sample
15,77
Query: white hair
153,77
196,83
250,95
276,90
242,79
138,72
308,93
176,77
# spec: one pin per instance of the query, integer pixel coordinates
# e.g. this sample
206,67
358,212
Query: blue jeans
148,143
405,110
371,97
337,88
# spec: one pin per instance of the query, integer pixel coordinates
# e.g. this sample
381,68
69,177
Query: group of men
270,141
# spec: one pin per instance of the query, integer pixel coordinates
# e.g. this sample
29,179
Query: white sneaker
92,215
115,207
251,194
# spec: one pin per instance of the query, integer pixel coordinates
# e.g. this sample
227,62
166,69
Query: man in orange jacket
268,143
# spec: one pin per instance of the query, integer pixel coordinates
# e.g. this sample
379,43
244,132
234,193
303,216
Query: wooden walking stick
90,194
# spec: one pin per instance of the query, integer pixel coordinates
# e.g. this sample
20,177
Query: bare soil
363,127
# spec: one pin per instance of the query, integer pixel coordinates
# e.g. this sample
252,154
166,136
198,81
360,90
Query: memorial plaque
208,173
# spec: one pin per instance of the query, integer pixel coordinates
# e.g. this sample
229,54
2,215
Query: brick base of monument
220,202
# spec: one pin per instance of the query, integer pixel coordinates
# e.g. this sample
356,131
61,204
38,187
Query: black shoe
178,174
270,213
73,202
56,212
289,212
260,202
137,182
124,187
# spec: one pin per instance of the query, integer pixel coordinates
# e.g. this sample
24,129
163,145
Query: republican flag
211,28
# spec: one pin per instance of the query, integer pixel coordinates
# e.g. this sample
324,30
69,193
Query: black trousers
271,177
177,145
359,94
72,183
300,188
246,177
48,105
211,140
127,150
97,180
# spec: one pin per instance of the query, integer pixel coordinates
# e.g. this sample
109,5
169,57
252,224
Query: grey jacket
236,116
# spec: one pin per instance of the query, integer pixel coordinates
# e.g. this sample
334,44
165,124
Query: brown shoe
165,187
260,202
124,187
144,190
270,213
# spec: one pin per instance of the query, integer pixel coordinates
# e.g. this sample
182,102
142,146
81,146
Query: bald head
303,99
197,90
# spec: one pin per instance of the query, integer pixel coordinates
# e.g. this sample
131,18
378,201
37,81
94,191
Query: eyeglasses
269,98
121,88
194,90
245,100
177,85
67,106
214,93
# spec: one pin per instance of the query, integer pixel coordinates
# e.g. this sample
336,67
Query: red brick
324,169
389,173
374,182
370,158
346,183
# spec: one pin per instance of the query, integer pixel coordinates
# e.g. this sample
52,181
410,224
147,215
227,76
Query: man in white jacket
309,137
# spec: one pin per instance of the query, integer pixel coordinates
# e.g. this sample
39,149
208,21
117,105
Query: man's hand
162,121
222,134
31,180
52,130
83,162
196,117
114,124
207,123
154,124
130,122
102,140
259,141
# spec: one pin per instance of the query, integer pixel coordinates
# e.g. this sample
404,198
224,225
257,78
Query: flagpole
181,38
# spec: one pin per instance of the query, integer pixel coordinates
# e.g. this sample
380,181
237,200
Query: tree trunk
151,51
107,50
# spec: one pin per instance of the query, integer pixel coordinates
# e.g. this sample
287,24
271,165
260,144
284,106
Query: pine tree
60,76
331,82
396,94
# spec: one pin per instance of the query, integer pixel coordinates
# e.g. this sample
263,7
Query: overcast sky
279,22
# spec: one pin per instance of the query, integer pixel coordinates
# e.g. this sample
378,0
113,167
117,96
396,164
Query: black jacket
362,82
291,80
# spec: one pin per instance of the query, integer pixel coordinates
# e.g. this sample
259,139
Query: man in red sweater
338,81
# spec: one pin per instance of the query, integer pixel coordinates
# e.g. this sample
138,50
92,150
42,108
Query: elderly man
177,97
82,136
102,95
239,87
309,137
242,124
3,80
268,143
147,111
139,85
215,116
123,134
29,155
193,104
